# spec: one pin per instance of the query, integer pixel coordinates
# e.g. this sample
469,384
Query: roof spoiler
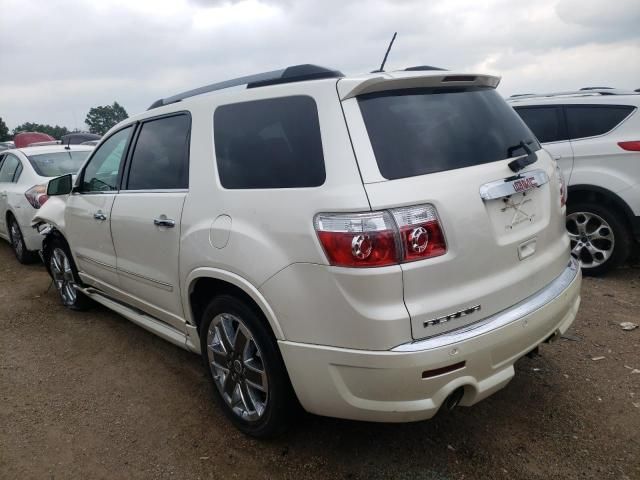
351,87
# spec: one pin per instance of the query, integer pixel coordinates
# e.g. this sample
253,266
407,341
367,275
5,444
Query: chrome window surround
500,319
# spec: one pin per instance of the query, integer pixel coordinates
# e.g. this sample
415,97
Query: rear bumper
387,386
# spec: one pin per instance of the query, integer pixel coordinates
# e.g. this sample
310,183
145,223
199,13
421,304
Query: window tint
591,120
420,131
101,173
544,122
161,157
58,163
11,169
273,143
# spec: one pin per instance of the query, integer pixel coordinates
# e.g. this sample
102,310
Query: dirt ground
91,395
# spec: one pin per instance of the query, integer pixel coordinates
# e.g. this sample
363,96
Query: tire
599,237
16,239
65,275
245,366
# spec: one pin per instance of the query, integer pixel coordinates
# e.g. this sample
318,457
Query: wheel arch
204,283
592,193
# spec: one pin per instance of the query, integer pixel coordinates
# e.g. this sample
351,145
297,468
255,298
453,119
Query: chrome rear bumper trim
500,319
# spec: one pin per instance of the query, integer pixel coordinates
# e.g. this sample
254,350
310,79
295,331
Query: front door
88,212
146,215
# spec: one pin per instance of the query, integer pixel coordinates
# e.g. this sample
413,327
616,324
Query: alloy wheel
63,276
592,239
237,366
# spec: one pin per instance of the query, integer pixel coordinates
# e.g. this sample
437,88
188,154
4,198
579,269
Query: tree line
99,120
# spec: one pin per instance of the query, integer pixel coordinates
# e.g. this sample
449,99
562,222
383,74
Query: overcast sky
60,57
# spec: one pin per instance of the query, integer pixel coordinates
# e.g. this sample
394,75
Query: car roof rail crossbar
589,91
296,73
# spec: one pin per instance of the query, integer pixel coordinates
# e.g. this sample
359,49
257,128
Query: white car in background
24,175
594,135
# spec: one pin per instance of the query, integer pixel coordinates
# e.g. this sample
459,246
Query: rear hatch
449,143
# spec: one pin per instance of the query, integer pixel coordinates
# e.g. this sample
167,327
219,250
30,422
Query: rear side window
420,131
11,169
592,120
544,122
272,143
160,160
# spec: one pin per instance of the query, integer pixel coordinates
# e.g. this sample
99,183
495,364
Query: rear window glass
544,122
272,143
419,131
591,120
58,163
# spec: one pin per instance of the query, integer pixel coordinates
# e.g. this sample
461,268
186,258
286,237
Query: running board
142,319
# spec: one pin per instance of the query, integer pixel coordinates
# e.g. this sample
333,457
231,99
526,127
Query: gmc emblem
524,184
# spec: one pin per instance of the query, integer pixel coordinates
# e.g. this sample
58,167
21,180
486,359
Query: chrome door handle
99,216
164,222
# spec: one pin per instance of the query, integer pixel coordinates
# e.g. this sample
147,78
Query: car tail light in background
37,195
633,146
563,186
376,239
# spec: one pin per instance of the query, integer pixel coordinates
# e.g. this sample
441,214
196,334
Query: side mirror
60,185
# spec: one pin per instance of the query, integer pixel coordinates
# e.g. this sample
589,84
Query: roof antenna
384,60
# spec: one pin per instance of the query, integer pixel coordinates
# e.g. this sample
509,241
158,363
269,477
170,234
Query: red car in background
24,139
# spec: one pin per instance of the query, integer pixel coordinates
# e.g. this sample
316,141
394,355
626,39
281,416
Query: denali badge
451,316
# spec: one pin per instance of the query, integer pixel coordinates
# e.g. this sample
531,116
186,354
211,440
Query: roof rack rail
589,91
296,73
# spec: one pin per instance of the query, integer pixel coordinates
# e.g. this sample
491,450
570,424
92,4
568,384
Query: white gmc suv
373,247
594,134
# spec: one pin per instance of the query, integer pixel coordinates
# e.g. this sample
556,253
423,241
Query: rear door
548,124
88,211
451,148
10,169
146,215
594,131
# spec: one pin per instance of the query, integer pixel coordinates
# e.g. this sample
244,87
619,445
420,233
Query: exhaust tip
454,398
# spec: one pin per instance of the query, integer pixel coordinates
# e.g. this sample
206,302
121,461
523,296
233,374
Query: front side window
160,160
10,170
593,120
272,143
101,173
58,163
427,130
544,122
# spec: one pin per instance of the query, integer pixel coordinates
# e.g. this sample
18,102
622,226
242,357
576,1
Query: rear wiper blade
519,163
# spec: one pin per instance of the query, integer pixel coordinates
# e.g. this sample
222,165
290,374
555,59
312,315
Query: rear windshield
58,163
419,131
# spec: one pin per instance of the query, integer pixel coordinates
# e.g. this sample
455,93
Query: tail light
420,232
563,186
358,239
37,195
376,239
633,146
